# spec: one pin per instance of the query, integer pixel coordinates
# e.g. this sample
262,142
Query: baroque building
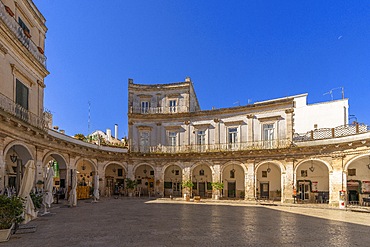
273,149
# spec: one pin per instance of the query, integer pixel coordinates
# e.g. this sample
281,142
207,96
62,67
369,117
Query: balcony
17,30
223,147
329,133
22,114
159,110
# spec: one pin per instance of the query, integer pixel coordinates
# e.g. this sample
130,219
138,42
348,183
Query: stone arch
328,166
269,179
90,161
202,178
19,143
233,177
277,163
312,180
60,168
354,159
172,179
22,154
121,164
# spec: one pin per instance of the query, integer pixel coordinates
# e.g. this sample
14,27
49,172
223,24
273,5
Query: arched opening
58,164
312,182
85,179
115,176
202,180
172,181
234,182
144,176
358,181
268,181
15,159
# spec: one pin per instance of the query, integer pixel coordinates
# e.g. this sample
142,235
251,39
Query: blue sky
234,51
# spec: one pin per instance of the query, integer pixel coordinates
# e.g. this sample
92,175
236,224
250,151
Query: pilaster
250,181
288,185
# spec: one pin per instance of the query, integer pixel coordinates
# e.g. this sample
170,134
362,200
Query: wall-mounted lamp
268,168
368,165
13,157
312,168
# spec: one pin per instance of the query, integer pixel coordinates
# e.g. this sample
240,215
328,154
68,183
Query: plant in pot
130,185
11,212
188,185
217,187
37,200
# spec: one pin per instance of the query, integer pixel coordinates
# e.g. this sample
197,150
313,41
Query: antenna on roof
331,92
237,102
88,120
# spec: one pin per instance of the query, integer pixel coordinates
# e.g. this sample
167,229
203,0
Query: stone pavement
164,222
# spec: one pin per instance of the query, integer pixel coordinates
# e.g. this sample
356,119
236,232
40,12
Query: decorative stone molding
3,49
272,118
289,111
22,76
250,116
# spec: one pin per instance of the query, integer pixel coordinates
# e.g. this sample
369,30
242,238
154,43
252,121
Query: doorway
231,186
265,190
202,188
304,190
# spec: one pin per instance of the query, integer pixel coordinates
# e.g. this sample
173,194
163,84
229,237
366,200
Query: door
264,190
304,190
202,188
231,186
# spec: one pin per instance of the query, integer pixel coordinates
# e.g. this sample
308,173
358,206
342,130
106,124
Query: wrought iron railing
159,110
327,133
21,113
222,147
21,35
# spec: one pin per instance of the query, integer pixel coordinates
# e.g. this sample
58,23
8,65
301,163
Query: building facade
274,149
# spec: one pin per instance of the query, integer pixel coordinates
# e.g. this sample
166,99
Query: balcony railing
223,147
328,133
18,111
159,110
20,34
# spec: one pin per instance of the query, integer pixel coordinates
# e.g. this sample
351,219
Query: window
173,106
268,132
144,141
264,174
21,94
120,172
144,106
23,25
151,173
303,173
201,172
233,137
177,172
172,138
201,137
351,172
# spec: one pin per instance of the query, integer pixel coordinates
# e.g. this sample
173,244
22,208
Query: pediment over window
233,122
142,127
271,118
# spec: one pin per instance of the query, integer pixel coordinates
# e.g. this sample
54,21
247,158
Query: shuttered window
21,95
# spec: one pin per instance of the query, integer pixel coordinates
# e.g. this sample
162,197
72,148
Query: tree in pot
217,187
11,212
130,185
188,185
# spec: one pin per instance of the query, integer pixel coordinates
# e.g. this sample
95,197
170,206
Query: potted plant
37,200
130,185
188,185
11,212
217,187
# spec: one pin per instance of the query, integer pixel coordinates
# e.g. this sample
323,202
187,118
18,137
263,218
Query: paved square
142,222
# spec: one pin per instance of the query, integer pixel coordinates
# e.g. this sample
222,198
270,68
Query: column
39,166
335,180
288,185
159,180
289,124
250,181
250,137
216,177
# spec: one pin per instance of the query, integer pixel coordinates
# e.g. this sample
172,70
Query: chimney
116,131
187,79
109,134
